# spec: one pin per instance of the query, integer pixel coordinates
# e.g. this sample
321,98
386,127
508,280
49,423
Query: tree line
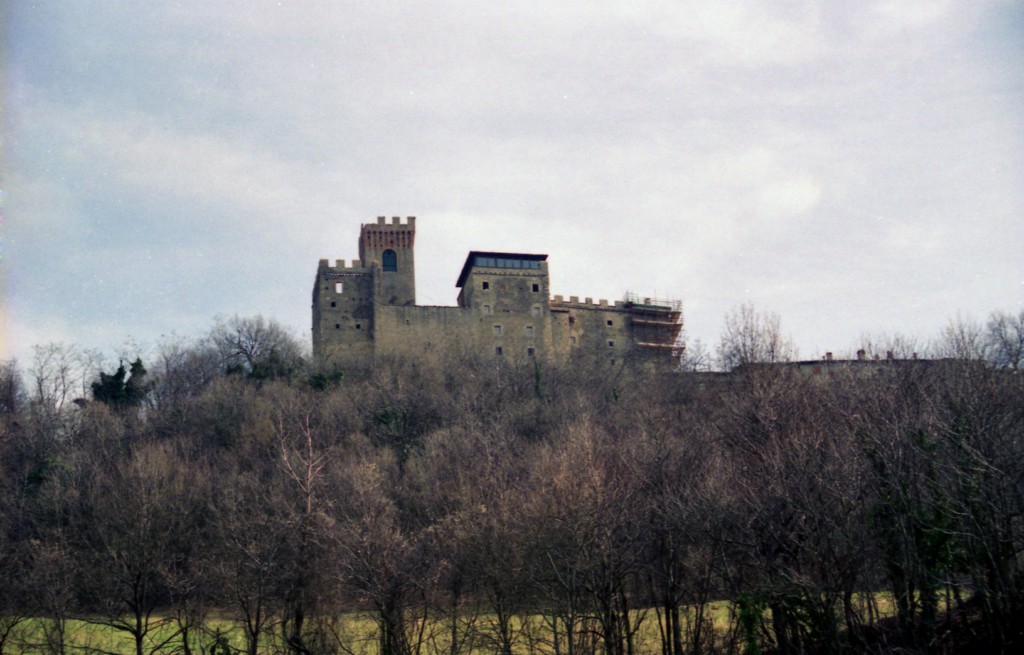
225,496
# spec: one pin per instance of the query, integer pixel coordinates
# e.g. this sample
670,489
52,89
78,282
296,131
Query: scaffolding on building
657,323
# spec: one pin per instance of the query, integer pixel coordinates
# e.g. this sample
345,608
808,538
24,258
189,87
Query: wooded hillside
452,496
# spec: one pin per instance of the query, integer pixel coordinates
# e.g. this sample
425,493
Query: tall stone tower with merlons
390,247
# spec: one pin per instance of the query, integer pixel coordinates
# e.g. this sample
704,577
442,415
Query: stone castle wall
505,309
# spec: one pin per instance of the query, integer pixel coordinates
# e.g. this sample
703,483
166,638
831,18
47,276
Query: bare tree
1005,337
130,546
256,347
751,336
252,537
962,338
183,370
376,554
12,389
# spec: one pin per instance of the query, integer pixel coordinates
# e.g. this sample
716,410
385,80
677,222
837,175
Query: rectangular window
536,288
529,330
536,310
359,326
498,351
485,285
609,321
611,344
487,310
338,287
529,352
497,330
337,326
334,304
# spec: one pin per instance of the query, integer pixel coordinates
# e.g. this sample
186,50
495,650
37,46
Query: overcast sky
856,167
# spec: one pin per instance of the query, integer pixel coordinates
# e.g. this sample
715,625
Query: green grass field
355,633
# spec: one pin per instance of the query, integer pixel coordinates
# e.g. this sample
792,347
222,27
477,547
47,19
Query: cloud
717,152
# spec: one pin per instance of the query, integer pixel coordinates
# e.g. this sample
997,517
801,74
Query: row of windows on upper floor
505,262
530,352
488,310
500,350
486,285
500,331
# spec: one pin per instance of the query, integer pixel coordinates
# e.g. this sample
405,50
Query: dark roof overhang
503,255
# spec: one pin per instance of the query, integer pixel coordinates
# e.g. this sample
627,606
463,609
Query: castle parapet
397,220
590,303
341,264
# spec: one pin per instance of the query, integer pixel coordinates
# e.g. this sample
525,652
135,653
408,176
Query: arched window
390,260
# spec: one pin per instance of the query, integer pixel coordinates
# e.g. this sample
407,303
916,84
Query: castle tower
390,247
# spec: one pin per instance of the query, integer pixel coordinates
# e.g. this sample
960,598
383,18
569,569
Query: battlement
589,303
375,237
396,221
341,265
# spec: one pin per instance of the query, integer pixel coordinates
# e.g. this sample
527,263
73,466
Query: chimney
861,355
828,357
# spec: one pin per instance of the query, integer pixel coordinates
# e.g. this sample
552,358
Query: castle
368,307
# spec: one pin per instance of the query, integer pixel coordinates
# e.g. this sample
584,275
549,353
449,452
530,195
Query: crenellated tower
391,247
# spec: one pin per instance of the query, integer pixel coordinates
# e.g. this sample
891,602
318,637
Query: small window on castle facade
611,344
485,285
487,310
529,330
497,330
536,310
530,352
334,304
339,287
536,288
609,321
389,261
498,351
359,326
337,326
